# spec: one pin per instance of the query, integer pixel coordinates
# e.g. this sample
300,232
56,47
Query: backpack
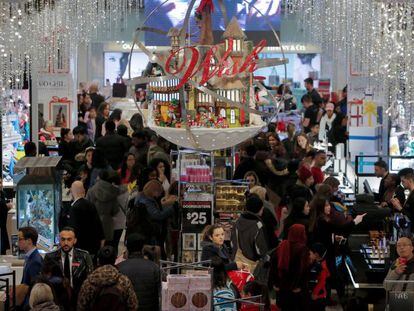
109,298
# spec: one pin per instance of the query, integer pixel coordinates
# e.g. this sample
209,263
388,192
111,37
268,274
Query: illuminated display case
38,196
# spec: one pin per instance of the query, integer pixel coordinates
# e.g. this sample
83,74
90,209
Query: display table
15,264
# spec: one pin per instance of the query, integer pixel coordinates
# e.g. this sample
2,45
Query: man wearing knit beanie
248,235
302,187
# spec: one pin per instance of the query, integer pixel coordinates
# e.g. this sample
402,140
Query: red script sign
220,69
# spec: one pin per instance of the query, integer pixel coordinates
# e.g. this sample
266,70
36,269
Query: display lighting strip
43,34
377,37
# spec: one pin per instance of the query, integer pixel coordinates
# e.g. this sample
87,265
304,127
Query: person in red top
289,269
320,161
127,169
319,275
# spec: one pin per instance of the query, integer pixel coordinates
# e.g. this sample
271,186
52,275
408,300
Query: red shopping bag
239,278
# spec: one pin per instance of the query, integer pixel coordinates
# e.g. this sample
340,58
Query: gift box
178,299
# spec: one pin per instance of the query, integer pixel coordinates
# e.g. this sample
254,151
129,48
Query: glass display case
38,206
38,197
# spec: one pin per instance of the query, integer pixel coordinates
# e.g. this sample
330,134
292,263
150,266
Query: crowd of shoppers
120,180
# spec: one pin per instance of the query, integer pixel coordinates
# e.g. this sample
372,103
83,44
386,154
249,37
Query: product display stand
230,202
190,291
196,193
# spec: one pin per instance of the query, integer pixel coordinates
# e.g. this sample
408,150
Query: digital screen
398,164
172,14
299,67
116,65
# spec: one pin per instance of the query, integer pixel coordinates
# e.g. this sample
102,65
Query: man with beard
75,263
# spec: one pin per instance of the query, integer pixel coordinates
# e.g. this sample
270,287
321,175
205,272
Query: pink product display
187,292
197,173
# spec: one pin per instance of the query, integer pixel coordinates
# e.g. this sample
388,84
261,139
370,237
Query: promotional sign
55,99
196,216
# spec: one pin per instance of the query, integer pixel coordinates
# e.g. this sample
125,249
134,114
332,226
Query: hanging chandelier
43,34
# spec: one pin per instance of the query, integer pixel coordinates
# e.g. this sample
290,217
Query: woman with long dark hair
213,246
289,270
103,115
127,168
332,234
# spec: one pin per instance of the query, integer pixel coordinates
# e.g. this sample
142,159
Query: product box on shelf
230,198
178,299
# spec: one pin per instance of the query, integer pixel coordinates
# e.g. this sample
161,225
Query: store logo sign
209,66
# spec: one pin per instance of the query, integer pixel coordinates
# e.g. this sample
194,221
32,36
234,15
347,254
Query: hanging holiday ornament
204,95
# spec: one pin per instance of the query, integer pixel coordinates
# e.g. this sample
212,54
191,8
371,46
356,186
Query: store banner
55,99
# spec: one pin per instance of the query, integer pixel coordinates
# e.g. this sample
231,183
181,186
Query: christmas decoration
208,87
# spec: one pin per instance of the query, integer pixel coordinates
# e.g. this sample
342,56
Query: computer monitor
367,187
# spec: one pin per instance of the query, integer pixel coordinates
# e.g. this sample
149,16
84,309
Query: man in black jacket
381,171
75,263
316,98
248,233
408,207
143,273
84,218
81,141
113,144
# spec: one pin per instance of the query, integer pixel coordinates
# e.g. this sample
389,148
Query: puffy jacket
145,277
106,276
251,237
104,196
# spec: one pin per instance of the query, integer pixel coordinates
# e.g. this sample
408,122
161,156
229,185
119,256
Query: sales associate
408,207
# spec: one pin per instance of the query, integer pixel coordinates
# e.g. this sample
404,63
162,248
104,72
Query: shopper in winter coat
104,196
41,298
143,273
213,246
114,145
106,288
289,269
248,235
299,214
157,214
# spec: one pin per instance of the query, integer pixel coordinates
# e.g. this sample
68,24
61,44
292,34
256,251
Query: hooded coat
104,196
106,276
250,237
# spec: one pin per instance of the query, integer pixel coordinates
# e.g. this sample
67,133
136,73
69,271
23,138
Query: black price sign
196,215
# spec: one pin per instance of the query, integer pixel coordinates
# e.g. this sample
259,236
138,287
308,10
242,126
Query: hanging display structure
205,96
